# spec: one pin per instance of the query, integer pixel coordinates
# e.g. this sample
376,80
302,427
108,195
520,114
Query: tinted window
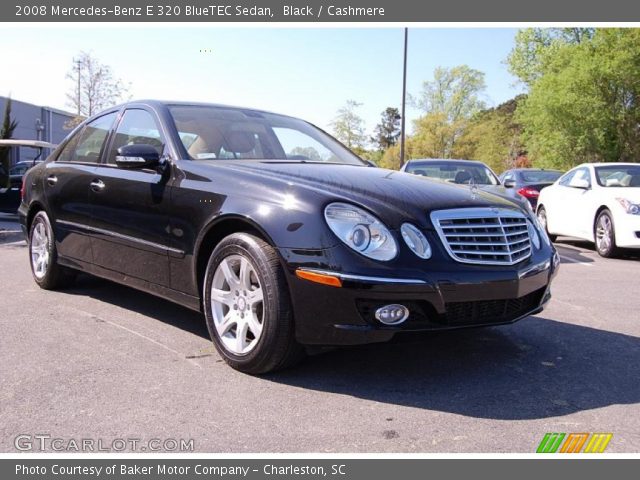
18,170
136,127
67,154
219,133
540,176
454,171
86,146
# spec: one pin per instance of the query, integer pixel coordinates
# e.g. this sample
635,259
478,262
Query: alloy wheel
542,218
604,231
237,304
39,247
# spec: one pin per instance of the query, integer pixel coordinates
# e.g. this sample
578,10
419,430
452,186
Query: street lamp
404,97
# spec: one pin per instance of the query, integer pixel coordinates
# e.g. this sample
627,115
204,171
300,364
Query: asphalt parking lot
103,361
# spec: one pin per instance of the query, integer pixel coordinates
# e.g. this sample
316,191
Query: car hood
392,196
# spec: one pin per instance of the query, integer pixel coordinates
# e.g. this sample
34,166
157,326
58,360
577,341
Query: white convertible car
599,202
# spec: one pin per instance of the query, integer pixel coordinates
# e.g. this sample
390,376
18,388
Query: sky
304,72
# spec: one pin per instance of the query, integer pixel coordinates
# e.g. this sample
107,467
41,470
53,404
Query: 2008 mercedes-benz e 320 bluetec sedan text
277,232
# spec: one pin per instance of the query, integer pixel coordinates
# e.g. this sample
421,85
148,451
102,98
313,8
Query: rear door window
86,146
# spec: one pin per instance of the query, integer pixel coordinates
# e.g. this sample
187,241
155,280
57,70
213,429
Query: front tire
46,270
247,306
605,235
542,219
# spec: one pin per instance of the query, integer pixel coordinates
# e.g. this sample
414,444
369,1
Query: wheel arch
34,208
599,210
215,231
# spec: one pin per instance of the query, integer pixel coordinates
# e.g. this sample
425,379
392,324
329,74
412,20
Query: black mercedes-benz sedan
280,235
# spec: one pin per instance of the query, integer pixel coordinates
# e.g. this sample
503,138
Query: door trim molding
156,246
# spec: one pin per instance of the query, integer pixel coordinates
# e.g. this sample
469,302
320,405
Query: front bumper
627,228
437,300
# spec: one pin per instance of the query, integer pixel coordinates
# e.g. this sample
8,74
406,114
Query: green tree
494,136
584,104
387,132
6,132
391,158
535,48
348,126
449,102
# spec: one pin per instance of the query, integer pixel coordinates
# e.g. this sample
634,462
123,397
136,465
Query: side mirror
370,163
580,183
509,183
137,156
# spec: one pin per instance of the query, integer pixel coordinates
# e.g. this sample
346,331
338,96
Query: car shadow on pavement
537,368
140,302
569,254
575,248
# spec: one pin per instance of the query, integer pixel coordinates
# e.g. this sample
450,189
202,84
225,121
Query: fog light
392,314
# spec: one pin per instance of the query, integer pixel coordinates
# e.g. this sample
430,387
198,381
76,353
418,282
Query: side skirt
175,296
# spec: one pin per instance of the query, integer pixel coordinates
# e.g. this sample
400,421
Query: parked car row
595,202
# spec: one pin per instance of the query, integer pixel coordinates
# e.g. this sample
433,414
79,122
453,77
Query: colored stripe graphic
598,442
574,442
550,443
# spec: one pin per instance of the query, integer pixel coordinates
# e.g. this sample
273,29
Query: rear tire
542,218
605,235
247,306
46,270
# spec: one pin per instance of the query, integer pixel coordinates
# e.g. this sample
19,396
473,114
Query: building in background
35,123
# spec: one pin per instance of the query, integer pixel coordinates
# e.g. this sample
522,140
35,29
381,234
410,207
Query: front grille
491,311
489,236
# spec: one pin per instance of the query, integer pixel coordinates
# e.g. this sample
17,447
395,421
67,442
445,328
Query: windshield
454,172
540,176
618,176
222,133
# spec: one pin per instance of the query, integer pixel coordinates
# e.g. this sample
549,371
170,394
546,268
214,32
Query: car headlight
541,232
416,240
534,234
629,206
361,231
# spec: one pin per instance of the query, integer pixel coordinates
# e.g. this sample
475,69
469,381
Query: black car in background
527,182
11,179
277,232
461,172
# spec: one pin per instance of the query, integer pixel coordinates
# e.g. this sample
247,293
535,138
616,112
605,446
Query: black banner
319,11
343,469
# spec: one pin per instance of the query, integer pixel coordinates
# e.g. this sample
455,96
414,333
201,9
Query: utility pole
404,97
78,63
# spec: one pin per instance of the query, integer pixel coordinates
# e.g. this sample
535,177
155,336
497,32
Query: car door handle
97,185
52,180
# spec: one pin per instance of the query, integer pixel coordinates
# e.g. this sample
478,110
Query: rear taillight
529,192
22,188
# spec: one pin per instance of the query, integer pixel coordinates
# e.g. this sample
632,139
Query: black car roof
443,160
169,103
